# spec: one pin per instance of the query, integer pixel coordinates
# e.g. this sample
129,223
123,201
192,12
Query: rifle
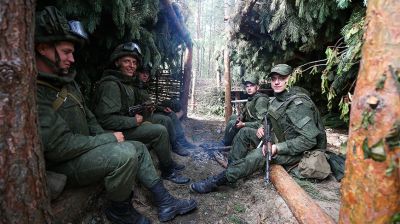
267,145
141,108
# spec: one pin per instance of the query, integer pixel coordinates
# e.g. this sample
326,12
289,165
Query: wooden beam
302,206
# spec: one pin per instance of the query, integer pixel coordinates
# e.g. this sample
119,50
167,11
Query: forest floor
248,201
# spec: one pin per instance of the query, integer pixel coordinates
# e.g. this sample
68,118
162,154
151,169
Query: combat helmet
126,49
52,26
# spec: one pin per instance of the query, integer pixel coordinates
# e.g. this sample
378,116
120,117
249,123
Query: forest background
321,39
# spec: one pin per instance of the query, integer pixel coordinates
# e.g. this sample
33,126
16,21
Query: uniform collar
55,79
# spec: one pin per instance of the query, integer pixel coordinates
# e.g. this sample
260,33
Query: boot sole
173,214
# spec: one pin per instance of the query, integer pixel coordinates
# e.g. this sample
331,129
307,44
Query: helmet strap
54,65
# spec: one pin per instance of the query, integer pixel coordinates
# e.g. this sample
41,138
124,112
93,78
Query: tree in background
322,39
23,192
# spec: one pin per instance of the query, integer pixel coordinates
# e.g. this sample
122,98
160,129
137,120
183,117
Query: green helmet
281,69
52,26
126,49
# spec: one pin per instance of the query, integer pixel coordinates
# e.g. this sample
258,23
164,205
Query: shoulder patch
298,101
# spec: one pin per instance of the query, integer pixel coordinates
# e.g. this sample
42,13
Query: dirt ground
248,201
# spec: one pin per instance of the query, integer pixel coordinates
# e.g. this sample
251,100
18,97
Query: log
302,206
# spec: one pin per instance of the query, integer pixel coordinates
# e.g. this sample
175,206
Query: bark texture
302,206
371,186
23,194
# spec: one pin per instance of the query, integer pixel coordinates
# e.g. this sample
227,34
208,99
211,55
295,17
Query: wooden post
371,186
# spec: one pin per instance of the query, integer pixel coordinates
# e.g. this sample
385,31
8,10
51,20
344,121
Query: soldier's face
65,52
127,65
144,76
251,88
279,82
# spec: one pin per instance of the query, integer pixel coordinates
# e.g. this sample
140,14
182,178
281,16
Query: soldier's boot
169,206
209,184
180,150
172,174
177,166
124,213
185,143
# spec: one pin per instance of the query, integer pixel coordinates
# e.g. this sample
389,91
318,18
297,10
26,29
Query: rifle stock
140,108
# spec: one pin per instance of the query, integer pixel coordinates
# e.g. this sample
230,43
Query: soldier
116,92
164,115
75,144
296,123
253,112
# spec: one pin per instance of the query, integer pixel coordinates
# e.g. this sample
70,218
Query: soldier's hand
260,132
167,110
119,136
240,124
274,150
139,119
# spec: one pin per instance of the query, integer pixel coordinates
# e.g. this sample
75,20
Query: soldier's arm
60,144
302,121
94,126
108,108
261,108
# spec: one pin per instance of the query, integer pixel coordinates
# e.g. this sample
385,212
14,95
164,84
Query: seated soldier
252,114
116,93
75,144
176,133
296,123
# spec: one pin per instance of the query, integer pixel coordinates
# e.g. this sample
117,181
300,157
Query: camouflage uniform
296,114
297,126
75,145
115,93
253,113
169,120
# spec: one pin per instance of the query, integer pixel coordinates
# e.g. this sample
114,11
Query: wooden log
302,206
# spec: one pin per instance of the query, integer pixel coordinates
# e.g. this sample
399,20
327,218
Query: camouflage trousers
117,165
230,130
166,121
156,136
244,158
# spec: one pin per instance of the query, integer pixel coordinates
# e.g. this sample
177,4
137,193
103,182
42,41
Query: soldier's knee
160,128
122,154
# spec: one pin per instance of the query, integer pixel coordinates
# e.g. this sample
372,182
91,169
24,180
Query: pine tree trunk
23,193
227,67
370,188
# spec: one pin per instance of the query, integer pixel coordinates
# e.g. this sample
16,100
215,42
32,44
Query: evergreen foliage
322,39
110,23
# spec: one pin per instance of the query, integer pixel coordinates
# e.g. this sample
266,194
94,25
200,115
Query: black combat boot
124,213
170,173
169,206
209,184
178,149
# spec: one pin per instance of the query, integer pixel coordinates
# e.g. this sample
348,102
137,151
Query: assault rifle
239,115
146,107
267,145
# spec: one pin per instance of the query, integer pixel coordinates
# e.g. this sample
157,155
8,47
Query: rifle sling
62,95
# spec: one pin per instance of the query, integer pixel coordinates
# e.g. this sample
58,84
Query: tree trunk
187,72
370,188
23,193
227,67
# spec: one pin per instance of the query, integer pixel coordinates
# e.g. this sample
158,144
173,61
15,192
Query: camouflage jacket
71,129
296,123
254,110
115,93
